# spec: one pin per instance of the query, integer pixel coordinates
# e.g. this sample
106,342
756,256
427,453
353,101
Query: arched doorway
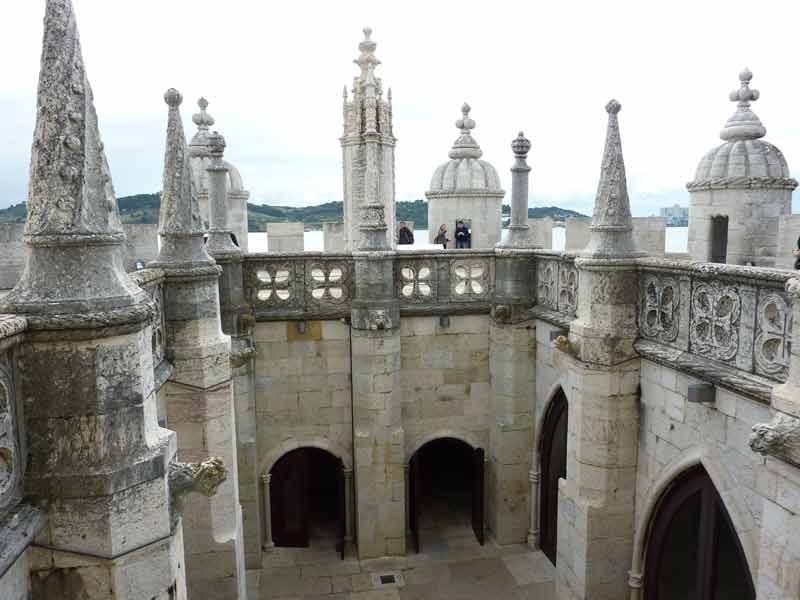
719,239
693,551
307,500
553,452
446,491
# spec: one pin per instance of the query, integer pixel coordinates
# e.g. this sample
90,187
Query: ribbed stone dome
465,172
744,158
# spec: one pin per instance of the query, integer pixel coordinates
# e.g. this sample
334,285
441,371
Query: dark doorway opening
693,551
719,239
553,452
307,500
446,497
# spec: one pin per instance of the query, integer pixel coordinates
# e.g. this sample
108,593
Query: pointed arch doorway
553,452
693,552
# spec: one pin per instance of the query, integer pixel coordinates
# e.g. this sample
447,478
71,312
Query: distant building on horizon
676,215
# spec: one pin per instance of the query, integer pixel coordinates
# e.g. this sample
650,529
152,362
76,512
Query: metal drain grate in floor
387,580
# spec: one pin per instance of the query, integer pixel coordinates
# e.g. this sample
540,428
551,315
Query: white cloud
273,72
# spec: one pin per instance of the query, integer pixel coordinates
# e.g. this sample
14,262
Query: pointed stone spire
180,226
611,232
71,194
465,146
73,229
743,124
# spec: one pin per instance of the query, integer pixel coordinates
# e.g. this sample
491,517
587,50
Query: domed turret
466,188
740,190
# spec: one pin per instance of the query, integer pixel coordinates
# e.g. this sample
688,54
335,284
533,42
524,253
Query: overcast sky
273,73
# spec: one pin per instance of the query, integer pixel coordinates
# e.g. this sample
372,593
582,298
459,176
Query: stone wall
650,234
541,231
676,434
577,233
333,236
15,582
444,379
788,234
12,254
285,237
141,244
303,394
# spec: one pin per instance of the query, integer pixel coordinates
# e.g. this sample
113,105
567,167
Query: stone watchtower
740,191
367,149
236,196
466,188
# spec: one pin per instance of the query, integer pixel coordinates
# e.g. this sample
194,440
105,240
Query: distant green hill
143,208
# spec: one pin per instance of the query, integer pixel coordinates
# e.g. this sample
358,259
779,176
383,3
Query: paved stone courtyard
451,565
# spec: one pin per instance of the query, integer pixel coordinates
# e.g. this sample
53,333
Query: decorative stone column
348,507
596,502
268,544
533,477
199,393
97,461
519,233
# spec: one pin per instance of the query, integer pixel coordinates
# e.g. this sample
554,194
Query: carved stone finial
743,124
216,145
611,232
202,477
367,60
521,145
465,146
203,120
779,438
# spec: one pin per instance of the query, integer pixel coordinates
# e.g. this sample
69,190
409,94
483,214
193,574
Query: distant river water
677,240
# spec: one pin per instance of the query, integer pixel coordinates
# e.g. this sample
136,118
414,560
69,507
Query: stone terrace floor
451,566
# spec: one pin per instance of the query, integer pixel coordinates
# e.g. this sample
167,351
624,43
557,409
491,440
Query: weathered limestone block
577,233
650,234
285,237
788,236
333,237
12,254
141,245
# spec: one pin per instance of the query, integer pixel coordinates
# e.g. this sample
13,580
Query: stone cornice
747,183
741,382
465,194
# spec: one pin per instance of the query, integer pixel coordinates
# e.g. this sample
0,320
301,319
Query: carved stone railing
152,282
298,285
557,281
725,323
447,280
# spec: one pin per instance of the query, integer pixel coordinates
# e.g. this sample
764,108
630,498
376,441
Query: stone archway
553,467
307,500
693,550
446,489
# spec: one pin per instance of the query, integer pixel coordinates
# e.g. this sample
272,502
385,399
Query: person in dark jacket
796,254
405,235
441,237
463,235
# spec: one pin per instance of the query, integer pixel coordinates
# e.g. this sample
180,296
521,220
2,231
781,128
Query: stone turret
740,191
466,188
198,394
97,458
200,157
368,157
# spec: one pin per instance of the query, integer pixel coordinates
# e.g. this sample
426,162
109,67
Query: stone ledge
746,384
17,529
553,317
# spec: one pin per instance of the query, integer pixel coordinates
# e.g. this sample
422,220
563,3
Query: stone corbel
779,438
241,356
203,477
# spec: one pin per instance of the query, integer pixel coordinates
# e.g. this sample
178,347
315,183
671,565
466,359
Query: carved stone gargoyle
779,438
203,477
